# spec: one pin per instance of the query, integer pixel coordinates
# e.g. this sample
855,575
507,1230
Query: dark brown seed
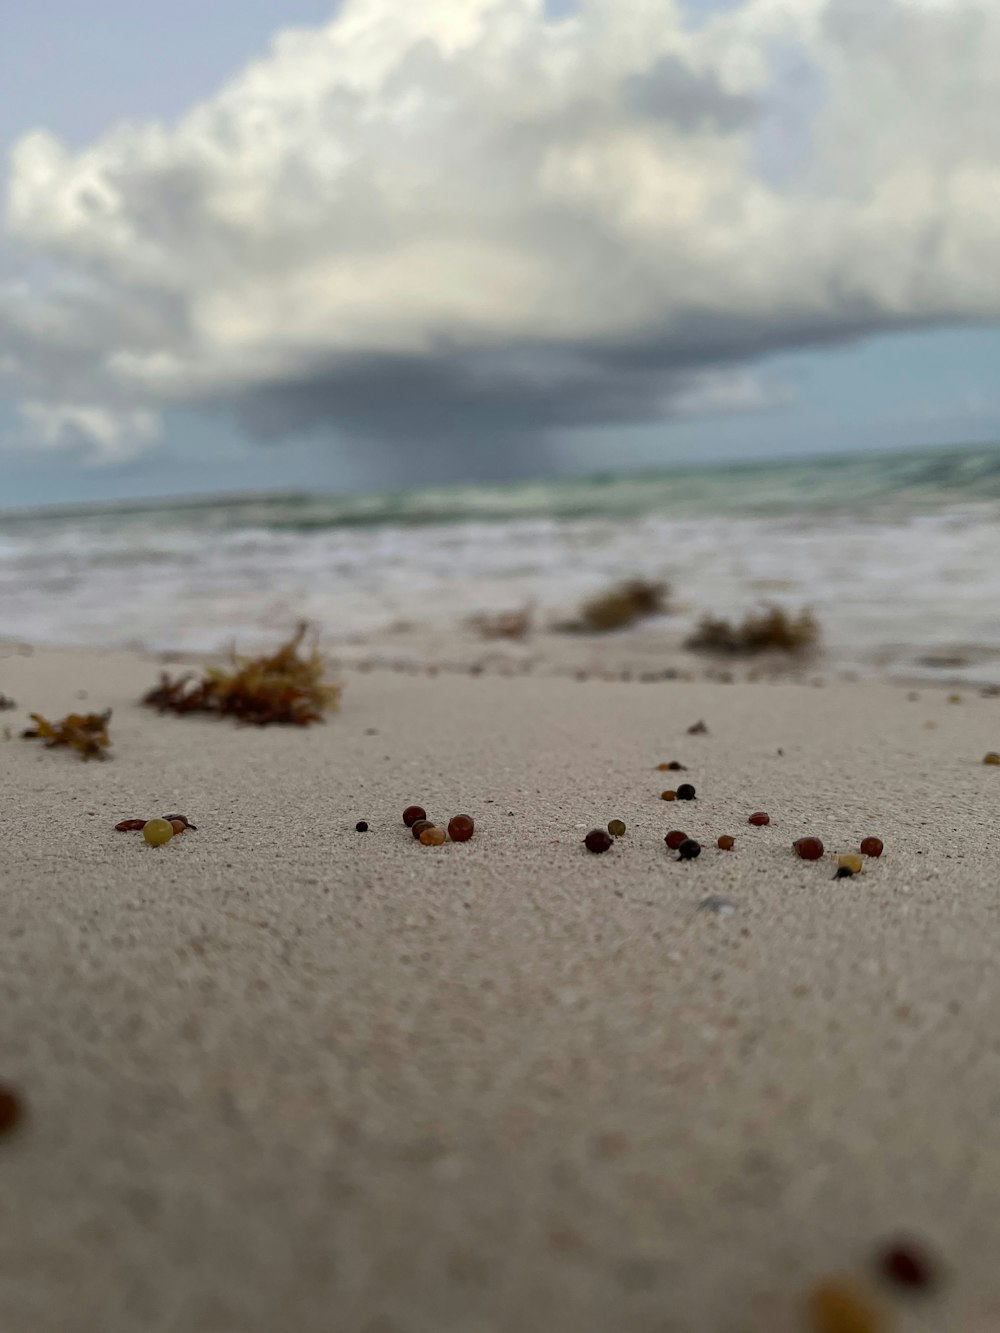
908,1265
674,839
759,819
689,849
727,843
128,825
11,1110
461,828
418,826
672,767
872,846
412,813
184,820
178,825
810,849
361,826
598,840
685,792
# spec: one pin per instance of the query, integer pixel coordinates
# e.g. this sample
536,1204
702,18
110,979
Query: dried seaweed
633,600
87,733
771,630
286,687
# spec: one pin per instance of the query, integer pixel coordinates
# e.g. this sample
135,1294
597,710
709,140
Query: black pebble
689,849
685,792
361,826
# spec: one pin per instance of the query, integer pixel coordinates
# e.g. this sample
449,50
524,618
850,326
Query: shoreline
280,1068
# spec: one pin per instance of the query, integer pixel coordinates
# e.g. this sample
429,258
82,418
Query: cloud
465,224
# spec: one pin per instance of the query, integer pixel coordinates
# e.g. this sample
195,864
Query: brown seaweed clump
633,600
286,687
87,733
771,630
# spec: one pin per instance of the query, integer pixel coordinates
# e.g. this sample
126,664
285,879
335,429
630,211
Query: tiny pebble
759,819
727,843
685,792
361,826
616,827
597,840
718,906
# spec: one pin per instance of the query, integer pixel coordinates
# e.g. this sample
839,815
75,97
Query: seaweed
636,599
87,733
771,630
286,688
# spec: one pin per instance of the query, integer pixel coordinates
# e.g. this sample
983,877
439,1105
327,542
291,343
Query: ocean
898,554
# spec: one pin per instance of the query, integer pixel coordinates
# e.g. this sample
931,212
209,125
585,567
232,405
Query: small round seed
433,836
685,792
157,832
727,843
11,1110
992,758
598,840
461,828
907,1264
177,825
674,839
418,826
412,813
851,861
616,828
689,849
361,826
810,849
759,819
668,796
872,846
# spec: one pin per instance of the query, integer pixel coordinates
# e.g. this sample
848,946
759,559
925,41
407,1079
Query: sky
262,244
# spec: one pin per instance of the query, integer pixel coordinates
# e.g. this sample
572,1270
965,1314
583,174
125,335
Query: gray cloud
462,227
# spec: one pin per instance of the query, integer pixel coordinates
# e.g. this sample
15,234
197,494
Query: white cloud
462,211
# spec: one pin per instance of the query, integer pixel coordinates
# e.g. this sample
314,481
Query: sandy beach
282,1075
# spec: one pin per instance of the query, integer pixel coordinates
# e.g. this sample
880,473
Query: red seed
908,1265
460,828
872,846
674,839
759,819
598,840
727,843
11,1110
810,849
412,813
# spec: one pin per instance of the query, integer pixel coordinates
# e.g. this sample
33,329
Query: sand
281,1075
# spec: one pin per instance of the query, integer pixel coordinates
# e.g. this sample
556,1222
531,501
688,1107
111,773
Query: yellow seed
992,758
157,832
851,861
432,837
617,827
668,796
836,1306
